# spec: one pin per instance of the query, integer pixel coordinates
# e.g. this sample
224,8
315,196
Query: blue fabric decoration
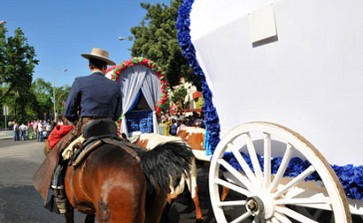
136,100
350,176
139,121
210,112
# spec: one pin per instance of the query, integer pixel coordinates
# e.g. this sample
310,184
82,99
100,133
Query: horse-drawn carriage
295,63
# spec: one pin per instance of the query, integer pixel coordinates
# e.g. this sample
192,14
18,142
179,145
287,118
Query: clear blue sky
62,30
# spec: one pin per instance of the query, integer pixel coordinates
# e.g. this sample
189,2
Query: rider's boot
60,197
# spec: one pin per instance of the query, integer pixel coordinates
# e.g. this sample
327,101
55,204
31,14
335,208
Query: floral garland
210,112
351,177
116,71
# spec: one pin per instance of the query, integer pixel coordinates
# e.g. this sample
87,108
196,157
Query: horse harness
96,133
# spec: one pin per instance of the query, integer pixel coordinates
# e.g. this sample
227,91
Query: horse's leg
90,218
198,210
193,189
154,207
69,216
225,192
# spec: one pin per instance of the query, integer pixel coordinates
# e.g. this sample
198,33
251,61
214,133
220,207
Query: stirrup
58,177
62,204
51,205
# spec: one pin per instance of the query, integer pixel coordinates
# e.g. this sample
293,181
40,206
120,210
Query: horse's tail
166,163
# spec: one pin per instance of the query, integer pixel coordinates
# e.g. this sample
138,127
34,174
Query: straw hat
100,54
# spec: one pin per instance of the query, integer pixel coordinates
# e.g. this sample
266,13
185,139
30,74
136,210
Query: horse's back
151,140
110,180
193,136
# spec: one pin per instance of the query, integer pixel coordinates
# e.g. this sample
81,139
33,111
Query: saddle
97,133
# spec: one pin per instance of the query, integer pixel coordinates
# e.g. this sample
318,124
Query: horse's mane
170,157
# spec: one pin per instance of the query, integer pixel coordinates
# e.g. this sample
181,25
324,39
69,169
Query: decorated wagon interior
143,89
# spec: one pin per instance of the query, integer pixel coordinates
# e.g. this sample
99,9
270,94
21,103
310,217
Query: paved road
19,202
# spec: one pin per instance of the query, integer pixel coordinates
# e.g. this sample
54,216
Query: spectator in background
167,124
48,128
174,127
35,129
40,131
23,130
30,130
16,131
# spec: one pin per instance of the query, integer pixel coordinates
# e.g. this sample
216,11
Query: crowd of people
36,129
173,121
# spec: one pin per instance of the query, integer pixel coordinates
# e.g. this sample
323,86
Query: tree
156,39
178,97
42,92
2,51
61,98
17,67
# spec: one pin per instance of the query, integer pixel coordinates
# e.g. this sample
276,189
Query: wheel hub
254,205
262,204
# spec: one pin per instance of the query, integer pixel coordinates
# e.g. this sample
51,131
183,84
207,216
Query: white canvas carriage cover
139,75
297,63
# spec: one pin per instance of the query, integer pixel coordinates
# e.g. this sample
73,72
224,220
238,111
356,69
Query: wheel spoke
295,181
241,218
233,187
232,203
253,155
294,215
245,167
267,160
236,174
282,168
282,218
259,219
304,201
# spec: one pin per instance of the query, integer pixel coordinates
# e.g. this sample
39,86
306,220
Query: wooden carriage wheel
262,191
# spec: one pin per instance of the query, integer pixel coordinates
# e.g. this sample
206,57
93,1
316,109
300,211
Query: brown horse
117,186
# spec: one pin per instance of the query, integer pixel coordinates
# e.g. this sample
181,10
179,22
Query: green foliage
42,92
17,62
61,98
166,106
178,97
156,39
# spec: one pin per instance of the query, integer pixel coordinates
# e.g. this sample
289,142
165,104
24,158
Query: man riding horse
91,97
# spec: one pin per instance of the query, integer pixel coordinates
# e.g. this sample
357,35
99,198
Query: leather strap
97,143
130,151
